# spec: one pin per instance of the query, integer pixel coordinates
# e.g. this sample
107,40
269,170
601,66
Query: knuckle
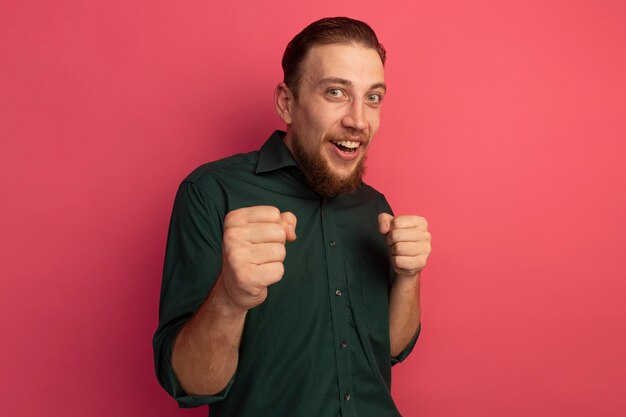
276,231
280,232
231,234
408,263
277,227
289,216
403,263
395,222
280,269
232,216
235,256
280,251
273,212
276,272
399,248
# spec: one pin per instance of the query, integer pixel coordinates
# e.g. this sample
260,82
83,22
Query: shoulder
369,191
212,174
243,162
372,195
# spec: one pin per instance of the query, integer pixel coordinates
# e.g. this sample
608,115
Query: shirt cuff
408,349
189,401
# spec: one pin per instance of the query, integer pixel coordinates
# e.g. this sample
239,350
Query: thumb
384,222
288,220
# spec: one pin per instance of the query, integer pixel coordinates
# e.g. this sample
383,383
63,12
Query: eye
374,98
335,92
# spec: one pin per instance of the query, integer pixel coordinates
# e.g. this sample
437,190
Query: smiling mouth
348,146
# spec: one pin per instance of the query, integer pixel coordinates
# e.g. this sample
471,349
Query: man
289,288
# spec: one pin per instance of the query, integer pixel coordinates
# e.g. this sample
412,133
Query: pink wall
505,126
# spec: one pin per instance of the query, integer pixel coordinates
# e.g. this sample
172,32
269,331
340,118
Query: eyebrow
348,83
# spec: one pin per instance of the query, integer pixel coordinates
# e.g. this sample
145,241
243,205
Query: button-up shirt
319,344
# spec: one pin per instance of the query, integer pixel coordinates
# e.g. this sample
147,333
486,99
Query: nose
355,116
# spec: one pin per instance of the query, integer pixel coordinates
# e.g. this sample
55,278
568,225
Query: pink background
505,125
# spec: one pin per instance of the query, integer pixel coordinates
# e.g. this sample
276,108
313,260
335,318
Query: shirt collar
274,154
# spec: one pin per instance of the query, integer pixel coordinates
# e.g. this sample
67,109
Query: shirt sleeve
407,350
192,263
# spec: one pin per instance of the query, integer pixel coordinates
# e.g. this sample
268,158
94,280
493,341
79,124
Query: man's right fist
254,251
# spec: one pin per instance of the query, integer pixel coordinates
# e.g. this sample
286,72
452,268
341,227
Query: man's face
336,115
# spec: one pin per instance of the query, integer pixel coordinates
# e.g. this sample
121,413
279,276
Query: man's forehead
352,62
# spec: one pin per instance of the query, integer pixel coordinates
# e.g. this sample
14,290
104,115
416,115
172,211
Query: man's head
330,100
330,30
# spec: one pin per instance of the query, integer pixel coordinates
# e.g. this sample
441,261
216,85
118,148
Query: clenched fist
254,251
409,242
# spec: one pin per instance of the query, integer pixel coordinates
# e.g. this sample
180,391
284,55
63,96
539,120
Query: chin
327,176
342,175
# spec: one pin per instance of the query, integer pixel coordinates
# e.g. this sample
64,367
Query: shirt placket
340,307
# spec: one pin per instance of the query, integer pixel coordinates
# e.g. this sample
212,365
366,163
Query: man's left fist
409,242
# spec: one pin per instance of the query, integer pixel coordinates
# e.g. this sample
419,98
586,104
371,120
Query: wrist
223,304
411,276
407,283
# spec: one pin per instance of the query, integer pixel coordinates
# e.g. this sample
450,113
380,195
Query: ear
283,100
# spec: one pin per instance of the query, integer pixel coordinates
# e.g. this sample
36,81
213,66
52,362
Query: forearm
206,350
404,311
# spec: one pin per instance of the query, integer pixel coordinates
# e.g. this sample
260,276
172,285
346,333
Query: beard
317,171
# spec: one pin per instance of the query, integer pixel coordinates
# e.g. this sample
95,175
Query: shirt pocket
374,278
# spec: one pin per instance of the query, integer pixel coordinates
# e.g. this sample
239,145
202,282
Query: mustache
348,135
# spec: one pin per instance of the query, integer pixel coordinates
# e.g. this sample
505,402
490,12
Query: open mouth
347,146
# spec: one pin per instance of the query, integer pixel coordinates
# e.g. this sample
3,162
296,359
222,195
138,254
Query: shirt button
346,396
343,344
333,243
338,293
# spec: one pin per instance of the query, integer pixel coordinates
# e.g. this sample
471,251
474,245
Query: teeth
349,144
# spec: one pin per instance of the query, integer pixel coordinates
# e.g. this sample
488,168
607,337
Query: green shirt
319,344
